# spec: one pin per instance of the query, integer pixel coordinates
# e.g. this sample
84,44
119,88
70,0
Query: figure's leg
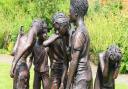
55,83
23,77
97,82
83,84
45,80
55,79
37,81
15,80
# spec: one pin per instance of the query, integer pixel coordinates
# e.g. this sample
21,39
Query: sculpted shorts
21,76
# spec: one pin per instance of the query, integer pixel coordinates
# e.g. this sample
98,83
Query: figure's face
115,60
72,15
43,33
62,29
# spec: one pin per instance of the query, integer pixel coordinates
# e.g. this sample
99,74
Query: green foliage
108,25
14,13
6,82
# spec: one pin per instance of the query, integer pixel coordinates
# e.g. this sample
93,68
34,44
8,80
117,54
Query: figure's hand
11,73
61,86
12,54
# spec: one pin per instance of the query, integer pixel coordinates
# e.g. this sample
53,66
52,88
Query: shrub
108,25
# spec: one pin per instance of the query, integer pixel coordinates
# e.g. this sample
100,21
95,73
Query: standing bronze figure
80,74
108,68
57,51
21,72
35,31
39,58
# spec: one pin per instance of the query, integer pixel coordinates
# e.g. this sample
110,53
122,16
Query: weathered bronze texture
80,74
108,68
58,44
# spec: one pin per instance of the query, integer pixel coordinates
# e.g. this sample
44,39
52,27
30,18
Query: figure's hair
60,18
114,53
79,7
39,23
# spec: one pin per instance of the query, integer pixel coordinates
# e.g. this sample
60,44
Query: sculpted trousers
56,74
41,77
82,84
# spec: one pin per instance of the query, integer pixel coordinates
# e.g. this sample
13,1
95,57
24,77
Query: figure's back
21,44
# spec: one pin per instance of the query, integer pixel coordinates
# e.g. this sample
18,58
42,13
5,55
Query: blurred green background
107,23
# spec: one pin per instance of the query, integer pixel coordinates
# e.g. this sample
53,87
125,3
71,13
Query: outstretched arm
77,47
50,40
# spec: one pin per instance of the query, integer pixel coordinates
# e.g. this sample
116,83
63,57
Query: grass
121,86
6,81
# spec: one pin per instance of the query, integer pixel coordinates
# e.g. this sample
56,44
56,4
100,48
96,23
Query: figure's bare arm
50,40
16,44
101,59
64,75
78,45
116,71
30,40
104,64
11,70
30,61
17,41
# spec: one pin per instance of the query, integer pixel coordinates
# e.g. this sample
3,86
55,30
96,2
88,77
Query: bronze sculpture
21,72
108,68
80,74
39,58
57,51
35,31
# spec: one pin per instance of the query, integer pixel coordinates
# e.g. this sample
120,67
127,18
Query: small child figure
108,68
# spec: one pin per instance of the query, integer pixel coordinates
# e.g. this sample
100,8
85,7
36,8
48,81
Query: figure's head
78,8
41,28
61,23
114,56
114,53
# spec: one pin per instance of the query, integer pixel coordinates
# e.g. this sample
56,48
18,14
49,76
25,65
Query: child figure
108,68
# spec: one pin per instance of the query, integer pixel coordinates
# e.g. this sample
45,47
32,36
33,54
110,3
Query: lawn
6,81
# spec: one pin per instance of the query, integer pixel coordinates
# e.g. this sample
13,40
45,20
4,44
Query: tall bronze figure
80,74
21,72
58,44
108,68
39,58
35,31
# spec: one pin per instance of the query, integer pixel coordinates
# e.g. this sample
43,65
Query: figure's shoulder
101,56
79,34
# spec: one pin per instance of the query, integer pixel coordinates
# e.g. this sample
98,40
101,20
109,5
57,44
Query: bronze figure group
68,52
